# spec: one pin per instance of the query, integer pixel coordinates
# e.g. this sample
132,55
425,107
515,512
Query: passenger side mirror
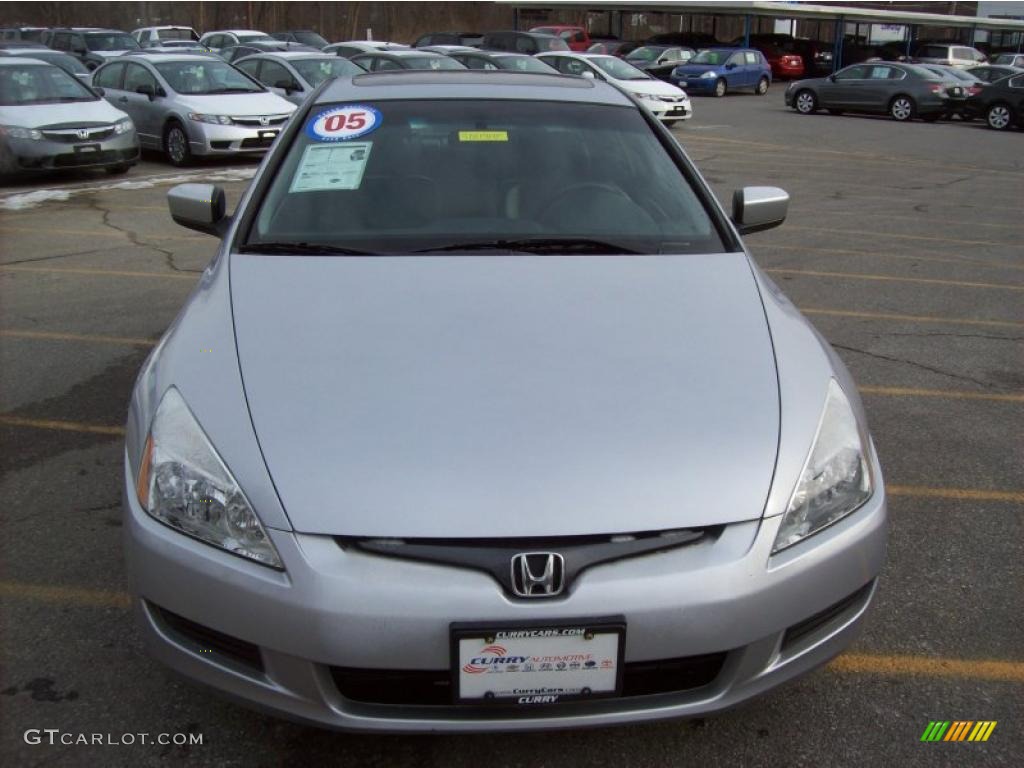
758,208
730,65
288,86
200,207
146,90
99,91
832,78
588,74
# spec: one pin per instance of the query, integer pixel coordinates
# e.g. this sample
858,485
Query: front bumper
669,111
209,139
342,609
696,84
49,155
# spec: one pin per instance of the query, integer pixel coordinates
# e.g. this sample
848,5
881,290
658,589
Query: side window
879,73
78,43
136,75
60,41
750,57
347,52
368,63
579,38
526,45
896,74
1017,82
273,73
736,58
387,65
472,62
249,67
852,73
572,66
500,43
109,76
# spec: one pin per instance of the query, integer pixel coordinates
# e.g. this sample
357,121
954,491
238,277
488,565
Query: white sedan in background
664,100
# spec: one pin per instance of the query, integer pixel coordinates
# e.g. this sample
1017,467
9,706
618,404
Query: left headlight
183,483
708,75
836,479
123,125
17,132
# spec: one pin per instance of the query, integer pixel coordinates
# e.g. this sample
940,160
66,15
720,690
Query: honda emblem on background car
83,133
264,120
538,574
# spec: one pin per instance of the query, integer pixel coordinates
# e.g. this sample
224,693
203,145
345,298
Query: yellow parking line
959,494
50,336
866,233
98,272
891,278
923,666
59,425
910,318
93,598
952,394
887,255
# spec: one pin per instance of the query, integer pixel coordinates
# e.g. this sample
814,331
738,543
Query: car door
734,71
145,113
1015,88
843,90
879,85
752,64
110,78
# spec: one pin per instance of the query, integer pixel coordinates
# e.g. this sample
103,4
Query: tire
805,102
999,117
835,112
720,88
117,170
902,108
176,146
762,86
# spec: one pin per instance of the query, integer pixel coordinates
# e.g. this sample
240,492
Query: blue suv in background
720,70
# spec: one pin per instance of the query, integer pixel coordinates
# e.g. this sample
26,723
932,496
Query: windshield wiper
550,245
304,249
232,90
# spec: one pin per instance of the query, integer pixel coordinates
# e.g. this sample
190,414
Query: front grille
250,121
204,639
812,624
70,135
394,687
77,159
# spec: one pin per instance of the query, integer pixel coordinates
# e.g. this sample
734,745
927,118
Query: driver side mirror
588,74
200,207
758,208
831,78
146,90
730,65
288,86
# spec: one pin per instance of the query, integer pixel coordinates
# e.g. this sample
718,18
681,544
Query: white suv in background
952,55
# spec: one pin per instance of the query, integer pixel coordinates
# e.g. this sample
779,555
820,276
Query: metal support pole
837,48
974,34
746,31
910,38
515,19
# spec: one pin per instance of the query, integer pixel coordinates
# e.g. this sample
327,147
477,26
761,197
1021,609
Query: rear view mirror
758,208
200,207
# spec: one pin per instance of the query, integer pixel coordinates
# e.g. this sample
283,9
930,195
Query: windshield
310,38
244,38
62,60
423,175
522,64
111,41
178,33
713,58
644,54
430,62
619,69
315,71
40,84
206,77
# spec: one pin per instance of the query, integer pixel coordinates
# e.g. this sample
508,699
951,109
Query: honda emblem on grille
83,133
264,120
538,574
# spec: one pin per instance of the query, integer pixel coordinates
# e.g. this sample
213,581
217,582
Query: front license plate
88,148
529,665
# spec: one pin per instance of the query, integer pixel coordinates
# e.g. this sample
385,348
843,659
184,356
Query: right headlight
17,132
212,119
836,479
184,484
709,74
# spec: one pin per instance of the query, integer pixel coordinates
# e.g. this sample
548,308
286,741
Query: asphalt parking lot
904,245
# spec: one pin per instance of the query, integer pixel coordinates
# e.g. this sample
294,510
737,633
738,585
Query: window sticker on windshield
326,166
483,135
343,123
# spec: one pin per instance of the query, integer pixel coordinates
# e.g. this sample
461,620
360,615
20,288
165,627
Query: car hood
505,396
78,113
240,104
111,54
656,87
697,69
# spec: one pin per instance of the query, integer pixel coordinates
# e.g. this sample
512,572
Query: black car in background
470,39
1000,104
233,53
904,91
530,43
301,36
992,72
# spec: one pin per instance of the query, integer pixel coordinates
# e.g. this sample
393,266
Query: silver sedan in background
483,418
295,74
50,120
188,104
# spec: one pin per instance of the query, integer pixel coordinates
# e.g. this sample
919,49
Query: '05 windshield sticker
483,135
331,166
343,123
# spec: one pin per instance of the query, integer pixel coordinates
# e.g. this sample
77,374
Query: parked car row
908,91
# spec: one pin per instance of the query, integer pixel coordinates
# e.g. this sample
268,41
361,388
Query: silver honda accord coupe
484,419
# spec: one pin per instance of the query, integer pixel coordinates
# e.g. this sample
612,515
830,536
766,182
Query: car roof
472,84
235,32
406,52
166,26
293,55
13,61
163,58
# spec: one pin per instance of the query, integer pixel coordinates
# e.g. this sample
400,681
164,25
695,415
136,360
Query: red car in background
785,66
577,38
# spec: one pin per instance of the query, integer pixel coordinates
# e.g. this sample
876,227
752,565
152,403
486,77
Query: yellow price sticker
483,135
